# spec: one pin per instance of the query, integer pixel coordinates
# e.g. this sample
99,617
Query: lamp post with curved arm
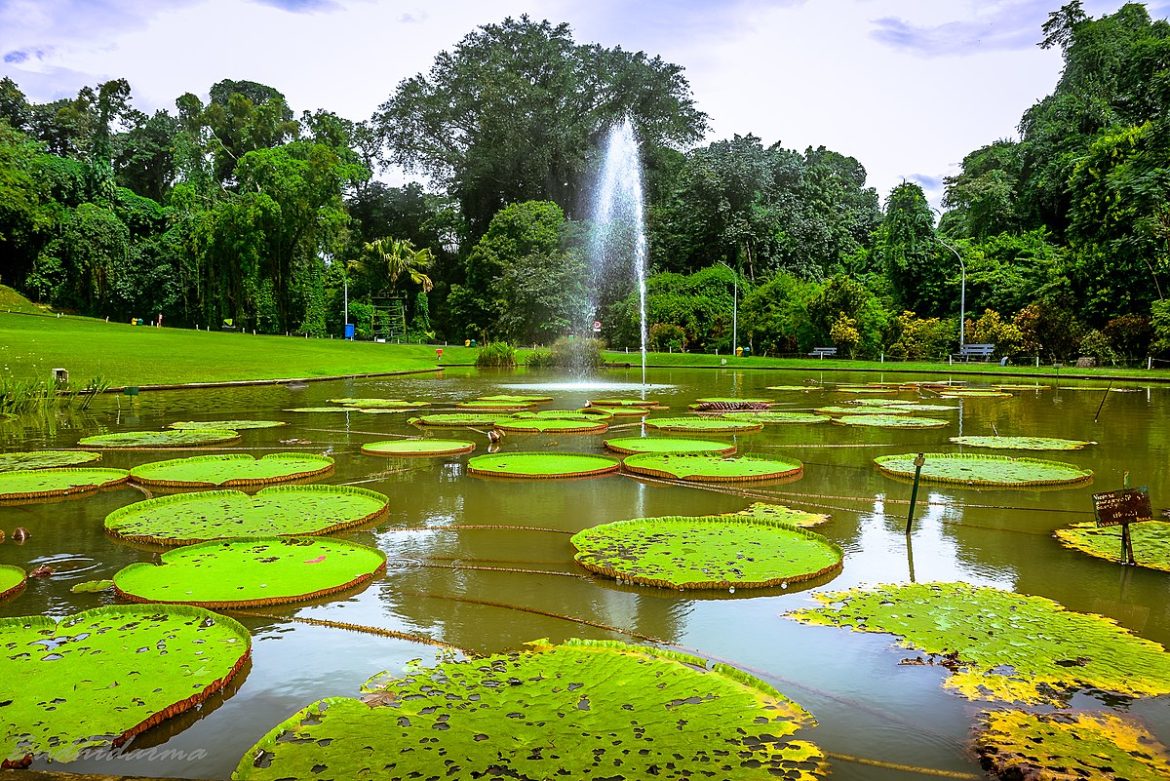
962,287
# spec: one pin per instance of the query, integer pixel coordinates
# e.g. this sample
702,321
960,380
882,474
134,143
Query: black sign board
1129,505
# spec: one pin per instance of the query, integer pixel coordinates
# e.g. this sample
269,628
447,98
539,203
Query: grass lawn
121,354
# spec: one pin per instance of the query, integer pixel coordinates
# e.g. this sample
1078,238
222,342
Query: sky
908,87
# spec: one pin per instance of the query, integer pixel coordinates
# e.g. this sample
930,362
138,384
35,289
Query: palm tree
396,258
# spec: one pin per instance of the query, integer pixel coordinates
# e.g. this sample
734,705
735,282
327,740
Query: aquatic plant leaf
708,552
580,710
793,387
974,394
1003,646
495,406
457,420
541,465
971,469
1015,744
718,425
283,510
379,403
230,425
91,587
839,409
1021,387
877,389
1022,443
231,469
103,675
1150,540
593,413
711,468
891,419
627,445
43,483
901,406
418,447
772,418
12,580
623,403
45,459
516,398
251,572
534,425
128,440
785,515
320,409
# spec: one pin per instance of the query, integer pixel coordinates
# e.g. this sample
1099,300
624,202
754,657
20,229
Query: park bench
969,351
823,352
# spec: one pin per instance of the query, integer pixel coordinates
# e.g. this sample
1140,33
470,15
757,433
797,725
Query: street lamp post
962,287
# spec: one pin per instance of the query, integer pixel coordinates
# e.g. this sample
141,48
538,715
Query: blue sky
906,86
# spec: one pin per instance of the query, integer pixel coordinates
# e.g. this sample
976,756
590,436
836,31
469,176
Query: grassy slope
127,355
11,301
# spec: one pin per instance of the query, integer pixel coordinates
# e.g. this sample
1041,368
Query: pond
485,564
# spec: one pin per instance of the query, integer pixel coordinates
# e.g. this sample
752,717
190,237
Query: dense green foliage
233,213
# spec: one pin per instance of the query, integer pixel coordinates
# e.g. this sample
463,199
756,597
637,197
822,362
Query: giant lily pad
282,510
1015,744
709,552
102,676
44,483
1003,646
45,459
773,418
1022,443
494,406
230,425
840,409
541,465
668,445
132,440
402,404
623,403
708,425
793,387
890,421
535,425
974,394
781,514
457,420
970,469
580,710
711,468
418,447
516,398
727,403
589,413
232,469
12,580
1150,540
251,572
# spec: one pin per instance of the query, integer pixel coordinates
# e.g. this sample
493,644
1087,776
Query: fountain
617,212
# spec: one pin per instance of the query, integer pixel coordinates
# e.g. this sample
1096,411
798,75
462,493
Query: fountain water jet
618,213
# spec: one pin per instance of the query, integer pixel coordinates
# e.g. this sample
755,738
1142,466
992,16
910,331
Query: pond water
450,584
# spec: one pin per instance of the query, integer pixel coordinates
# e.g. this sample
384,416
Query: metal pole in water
918,462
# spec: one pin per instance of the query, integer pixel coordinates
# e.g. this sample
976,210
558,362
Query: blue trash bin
349,330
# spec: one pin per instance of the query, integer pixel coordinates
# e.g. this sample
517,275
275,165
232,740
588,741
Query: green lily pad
131,440
629,445
379,403
34,484
230,425
1150,540
580,710
457,420
1014,744
901,406
562,414
1003,646
12,580
541,465
837,410
418,447
623,403
321,409
516,398
601,413
777,418
711,468
99,677
45,459
231,469
558,425
251,572
1036,387
890,421
793,387
876,389
631,412
1022,443
712,552
728,404
784,515
494,406
974,394
719,425
969,469
282,510
91,587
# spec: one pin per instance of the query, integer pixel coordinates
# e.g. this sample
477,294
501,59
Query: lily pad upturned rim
140,474
1076,474
629,445
551,425
12,580
589,559
519,398
494,406
315,544
223,425
658,465
417,447
601,465
205,618
116,521
456,420
774,417
1150,540
51,459
708,425
177,439
93,479
1021,443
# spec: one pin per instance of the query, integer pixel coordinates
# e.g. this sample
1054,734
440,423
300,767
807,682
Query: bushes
497,355
667,337
917,338
569,353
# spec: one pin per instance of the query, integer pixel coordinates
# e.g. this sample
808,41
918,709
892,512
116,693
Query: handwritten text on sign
1127,506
